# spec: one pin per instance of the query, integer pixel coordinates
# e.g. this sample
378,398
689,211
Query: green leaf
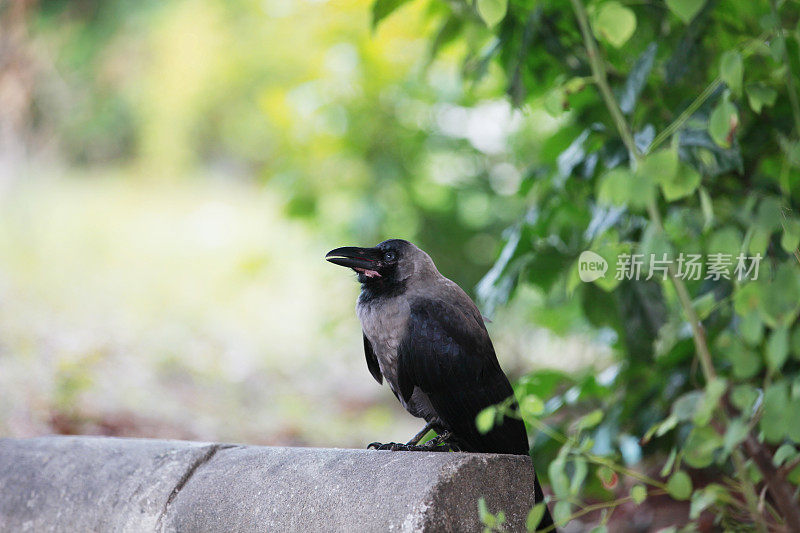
776,402
732,70
561,512
610,251
578,476
791,149
614,23
559,482
492,11
743,397
760,95
535,516
707,207
705,409
682,185
793,420
670,461
704,304
532,405
768,215
782,454
684,407
723,123
698,452
679,485
607,477
383,8
777,348
751,328
555,103
777,47
590,420
702,499
734,434
668,336
685,9
614,187
485,419
638,493
780,300
727,240
794,476
660,166
669,423
746,362
487,518
791,236
637,78
759,240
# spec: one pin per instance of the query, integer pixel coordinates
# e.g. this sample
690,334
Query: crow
428,340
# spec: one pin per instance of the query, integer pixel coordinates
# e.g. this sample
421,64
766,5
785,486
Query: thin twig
624,130
601,79
676,124
690,110
596,459
602,505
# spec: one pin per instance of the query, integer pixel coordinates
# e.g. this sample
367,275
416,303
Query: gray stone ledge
108,484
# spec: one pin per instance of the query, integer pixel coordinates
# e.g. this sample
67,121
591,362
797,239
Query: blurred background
171,176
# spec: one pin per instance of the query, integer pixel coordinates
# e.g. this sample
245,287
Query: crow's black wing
447,353
372,361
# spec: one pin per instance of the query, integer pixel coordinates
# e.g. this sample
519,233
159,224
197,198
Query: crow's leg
429,426
445,441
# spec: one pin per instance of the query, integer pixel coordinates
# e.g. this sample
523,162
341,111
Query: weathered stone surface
304,489
100,484
90,483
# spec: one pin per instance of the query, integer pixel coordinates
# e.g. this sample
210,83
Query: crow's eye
389,256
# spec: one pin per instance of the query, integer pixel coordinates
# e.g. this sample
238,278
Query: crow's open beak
364,260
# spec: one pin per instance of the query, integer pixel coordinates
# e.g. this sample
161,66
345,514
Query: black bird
426,337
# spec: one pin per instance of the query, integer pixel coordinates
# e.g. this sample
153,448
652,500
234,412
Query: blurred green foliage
367,129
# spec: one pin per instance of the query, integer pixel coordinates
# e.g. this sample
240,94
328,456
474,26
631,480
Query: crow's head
386,266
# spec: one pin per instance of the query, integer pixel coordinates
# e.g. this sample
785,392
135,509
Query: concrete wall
105,484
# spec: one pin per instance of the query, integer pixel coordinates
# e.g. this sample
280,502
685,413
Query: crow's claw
391,446
433,445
